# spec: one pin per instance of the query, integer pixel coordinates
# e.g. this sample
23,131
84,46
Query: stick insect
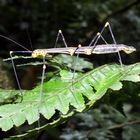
92,48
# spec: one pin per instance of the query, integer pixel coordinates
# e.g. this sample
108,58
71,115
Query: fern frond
61,94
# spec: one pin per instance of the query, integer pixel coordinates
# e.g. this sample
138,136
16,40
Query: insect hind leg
112,35
99,35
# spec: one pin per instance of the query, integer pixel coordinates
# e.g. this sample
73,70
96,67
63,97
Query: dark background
80,20
35,24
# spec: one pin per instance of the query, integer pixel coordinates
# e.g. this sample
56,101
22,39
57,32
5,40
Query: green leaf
8,96
61,95
73,62
133,78
116,86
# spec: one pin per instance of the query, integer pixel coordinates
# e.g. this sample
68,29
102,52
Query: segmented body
98,49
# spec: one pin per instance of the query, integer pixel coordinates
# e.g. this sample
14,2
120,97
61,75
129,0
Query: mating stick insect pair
92,48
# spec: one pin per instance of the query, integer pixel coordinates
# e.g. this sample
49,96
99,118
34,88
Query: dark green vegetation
62,98
79,21
66,97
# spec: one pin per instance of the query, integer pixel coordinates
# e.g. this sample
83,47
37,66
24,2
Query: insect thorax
39,53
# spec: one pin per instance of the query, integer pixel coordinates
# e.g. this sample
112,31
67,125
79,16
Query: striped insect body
92,48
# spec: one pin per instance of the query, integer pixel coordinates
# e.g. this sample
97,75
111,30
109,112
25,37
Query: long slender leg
13,64
93,40
15,71
103,39
60,34
112,35
42,80
74,68
41,89
99,35
72,52
16,76
96,39
77,56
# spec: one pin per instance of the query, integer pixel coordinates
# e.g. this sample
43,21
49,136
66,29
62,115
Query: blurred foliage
104,123
6,81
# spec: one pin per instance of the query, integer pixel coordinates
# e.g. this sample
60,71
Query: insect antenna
18,44
29,38
12,60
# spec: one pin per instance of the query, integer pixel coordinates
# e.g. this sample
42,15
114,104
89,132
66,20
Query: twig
122,10
124,124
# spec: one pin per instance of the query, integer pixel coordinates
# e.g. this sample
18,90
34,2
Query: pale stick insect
92,48
40,55
87,50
